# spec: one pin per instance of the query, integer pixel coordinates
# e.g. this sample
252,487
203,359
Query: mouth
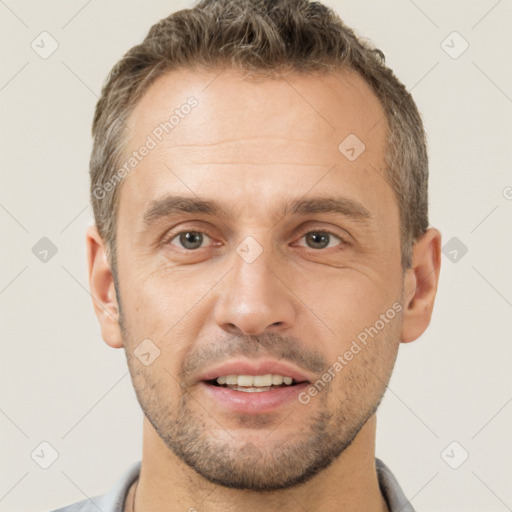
253,394
254,386
254,383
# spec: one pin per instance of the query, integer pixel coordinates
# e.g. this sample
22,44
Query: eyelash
172,237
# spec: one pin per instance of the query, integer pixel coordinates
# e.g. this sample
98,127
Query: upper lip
255,367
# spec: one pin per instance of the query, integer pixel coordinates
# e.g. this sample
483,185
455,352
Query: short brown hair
265,37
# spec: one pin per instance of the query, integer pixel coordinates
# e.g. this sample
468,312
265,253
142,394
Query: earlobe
101,284
420,285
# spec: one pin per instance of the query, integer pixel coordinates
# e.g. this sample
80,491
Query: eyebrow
174,205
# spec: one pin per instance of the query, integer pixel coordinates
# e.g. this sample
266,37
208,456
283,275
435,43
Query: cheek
156,290
168,307
366,318
156,387
356,301
363,365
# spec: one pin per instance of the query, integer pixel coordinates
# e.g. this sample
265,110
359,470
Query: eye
321,239
190,240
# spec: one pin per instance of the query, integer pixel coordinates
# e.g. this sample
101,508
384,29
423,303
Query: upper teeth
254,380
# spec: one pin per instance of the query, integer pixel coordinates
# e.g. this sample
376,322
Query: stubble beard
233,461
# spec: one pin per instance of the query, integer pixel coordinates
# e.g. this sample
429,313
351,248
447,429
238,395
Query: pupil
321,239
191,237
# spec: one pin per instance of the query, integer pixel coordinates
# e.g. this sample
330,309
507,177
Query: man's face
252,284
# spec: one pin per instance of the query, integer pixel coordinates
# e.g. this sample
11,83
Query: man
261,248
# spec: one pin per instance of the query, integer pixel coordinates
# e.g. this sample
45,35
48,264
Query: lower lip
254,403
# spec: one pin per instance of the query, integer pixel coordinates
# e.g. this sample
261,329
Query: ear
103,293
420,285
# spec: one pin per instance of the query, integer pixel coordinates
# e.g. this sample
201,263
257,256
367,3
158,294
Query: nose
255,297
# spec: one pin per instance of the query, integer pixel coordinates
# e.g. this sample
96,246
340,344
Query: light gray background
61,384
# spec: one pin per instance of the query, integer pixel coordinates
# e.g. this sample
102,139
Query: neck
349,484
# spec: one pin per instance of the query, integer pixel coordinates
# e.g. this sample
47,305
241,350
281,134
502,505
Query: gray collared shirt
113,500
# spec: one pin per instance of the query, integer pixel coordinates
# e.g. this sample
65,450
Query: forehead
330,104
252,138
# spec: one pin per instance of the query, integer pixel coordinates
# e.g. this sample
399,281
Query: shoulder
391,489
113,500
87,505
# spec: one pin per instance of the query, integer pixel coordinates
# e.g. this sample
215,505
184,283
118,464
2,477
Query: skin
250,145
